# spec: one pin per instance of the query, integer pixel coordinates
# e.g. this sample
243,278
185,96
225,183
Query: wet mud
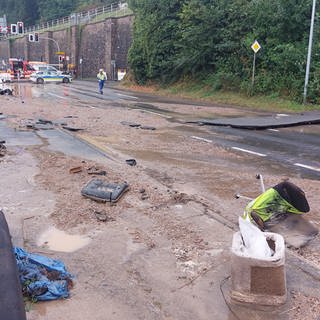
163,250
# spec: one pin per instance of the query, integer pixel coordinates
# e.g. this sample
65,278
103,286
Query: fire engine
19,68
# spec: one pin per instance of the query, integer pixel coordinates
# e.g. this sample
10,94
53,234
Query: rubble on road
72,128
75,169
147,128
131,162
96,171
42,278
102,191
3,149
5,90
130,124
103,216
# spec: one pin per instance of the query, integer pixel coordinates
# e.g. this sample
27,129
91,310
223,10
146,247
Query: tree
155,28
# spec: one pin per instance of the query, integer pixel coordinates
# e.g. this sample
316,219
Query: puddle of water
58,240
70,145
18,138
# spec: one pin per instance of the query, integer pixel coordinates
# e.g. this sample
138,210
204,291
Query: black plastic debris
72,128
147,128
96,171
131,124
3,149
40,124
131,162
6,92
102,191
44,121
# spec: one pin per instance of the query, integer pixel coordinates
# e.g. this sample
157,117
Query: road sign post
309,52
255,47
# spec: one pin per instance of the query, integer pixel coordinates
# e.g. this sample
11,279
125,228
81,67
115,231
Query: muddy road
163,250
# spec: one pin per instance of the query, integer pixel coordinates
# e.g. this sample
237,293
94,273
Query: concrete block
258,281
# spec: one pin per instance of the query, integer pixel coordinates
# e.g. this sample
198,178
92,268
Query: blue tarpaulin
42,278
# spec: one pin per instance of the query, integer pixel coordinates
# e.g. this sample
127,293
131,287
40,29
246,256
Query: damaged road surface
161,249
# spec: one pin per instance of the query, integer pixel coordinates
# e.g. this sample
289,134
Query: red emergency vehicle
20,68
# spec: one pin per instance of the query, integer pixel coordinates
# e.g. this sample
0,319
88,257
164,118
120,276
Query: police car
50,76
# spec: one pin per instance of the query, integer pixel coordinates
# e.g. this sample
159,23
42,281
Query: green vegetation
208,42
197,92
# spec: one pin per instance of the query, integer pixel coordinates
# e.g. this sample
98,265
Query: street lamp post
55,41
309,52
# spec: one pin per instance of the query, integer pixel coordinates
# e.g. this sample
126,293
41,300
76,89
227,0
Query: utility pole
56,42
309,52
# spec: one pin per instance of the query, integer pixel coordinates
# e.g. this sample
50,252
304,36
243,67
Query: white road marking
55,95
282,115
249,151
201,139
124,95
275,130
307,167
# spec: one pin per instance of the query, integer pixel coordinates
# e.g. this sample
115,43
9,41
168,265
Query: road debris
42,278
96,171
102,216
102,191
279,209
75,170
72,128
130,124
147,128
131,162
3,149
40,124
44,121
137,125
5,90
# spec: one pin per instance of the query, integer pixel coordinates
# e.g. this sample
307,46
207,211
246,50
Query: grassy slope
197,92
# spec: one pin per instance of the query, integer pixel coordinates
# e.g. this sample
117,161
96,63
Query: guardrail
94,15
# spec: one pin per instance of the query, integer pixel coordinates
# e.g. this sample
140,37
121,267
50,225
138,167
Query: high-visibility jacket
268,204
102,76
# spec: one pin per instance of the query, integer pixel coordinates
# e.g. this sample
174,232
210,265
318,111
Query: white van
45,68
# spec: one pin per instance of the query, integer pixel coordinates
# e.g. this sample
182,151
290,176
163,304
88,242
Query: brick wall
100,45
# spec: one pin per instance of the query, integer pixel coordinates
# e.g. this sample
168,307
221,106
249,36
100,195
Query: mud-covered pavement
163,250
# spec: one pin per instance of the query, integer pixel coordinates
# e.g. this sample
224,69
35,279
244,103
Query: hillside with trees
209,42
35,11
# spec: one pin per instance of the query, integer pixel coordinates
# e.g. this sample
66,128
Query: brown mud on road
163,250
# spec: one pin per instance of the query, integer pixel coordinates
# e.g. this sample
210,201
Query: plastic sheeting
42,278
254,241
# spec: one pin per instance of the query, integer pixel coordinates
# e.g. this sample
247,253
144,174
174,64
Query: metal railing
94,15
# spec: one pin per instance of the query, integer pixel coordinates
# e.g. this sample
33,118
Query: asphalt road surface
163,250
295,149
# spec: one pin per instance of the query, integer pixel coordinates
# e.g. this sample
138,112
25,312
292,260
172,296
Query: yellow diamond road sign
256,46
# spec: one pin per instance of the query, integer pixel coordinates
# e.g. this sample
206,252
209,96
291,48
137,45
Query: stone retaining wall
98,45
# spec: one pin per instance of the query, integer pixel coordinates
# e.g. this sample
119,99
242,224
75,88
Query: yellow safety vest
102,76
269,203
